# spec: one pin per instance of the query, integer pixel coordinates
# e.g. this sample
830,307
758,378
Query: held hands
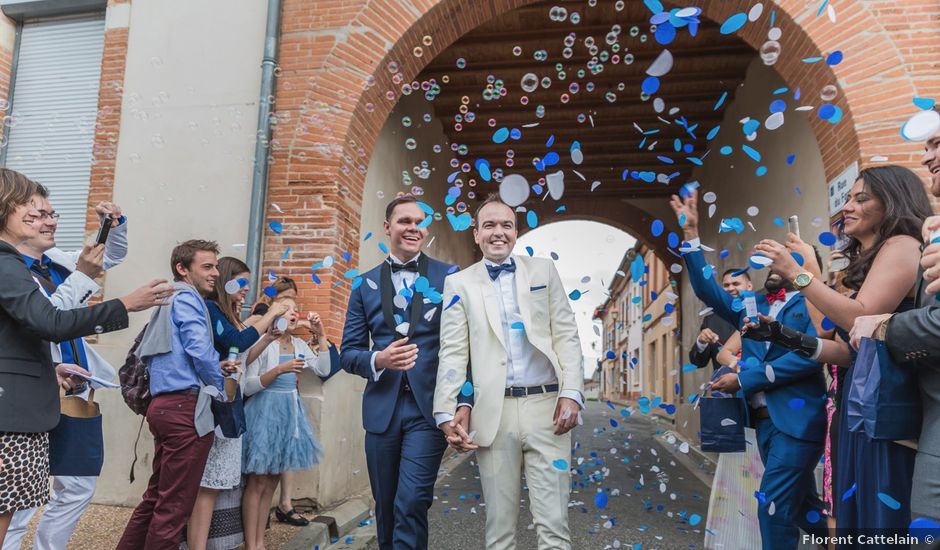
399,355
91,260
154,293
105,209
566,415
67,381
457,431
295,365
686,210
230,367
783,262
726,383
867,326
708,336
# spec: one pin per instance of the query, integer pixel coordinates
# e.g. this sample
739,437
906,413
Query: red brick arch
330,116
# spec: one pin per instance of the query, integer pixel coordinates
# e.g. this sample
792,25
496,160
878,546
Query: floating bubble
529,83
461,63
418,51
828,93
770,52
517,51
427,40
557,13
411,144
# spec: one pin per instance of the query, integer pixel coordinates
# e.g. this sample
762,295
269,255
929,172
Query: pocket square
539,287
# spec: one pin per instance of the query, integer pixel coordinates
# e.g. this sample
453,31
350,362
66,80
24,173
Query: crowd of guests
795,362
224,410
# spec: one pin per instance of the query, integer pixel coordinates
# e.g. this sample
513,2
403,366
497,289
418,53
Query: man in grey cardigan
913,339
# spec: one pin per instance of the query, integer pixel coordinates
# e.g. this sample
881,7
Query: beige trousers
526,439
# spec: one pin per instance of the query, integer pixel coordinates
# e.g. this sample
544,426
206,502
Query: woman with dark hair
223,467
29,381
882,219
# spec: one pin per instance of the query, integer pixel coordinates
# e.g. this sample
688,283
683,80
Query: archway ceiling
704,67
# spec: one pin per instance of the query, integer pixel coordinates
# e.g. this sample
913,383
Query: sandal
291,516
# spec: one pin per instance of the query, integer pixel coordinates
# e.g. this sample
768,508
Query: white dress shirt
525,365
401,279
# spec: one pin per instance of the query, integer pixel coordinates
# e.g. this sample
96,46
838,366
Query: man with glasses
67,278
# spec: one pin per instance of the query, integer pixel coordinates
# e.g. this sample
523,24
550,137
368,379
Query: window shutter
55,106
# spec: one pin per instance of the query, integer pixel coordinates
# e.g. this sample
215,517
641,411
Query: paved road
651,496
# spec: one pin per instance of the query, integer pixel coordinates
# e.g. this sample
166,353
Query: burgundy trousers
179,459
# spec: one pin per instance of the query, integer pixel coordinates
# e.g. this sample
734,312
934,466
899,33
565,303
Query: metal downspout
259,178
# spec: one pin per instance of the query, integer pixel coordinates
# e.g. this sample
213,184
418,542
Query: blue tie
495,270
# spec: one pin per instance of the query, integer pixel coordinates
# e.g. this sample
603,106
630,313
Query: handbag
230,415
723,420
884,398
76,444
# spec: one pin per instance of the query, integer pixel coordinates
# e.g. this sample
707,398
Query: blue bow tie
495,270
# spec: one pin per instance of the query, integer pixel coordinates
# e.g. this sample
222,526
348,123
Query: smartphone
103,230
793,224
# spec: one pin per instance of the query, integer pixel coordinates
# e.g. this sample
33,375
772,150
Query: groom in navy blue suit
785,394
398,308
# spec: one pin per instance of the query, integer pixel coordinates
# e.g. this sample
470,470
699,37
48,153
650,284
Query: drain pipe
259,177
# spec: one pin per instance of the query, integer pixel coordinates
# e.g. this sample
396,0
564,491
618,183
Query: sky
588,256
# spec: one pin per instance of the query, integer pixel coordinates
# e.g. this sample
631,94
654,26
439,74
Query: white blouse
270,358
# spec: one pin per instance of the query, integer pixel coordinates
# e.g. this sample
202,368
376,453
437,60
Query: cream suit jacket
472,334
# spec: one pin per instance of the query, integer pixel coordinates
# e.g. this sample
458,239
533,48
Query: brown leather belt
760,414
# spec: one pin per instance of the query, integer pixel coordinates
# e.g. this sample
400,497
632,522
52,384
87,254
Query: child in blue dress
278,438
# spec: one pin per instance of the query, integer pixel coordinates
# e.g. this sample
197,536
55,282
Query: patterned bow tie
779,296
411,266
495,270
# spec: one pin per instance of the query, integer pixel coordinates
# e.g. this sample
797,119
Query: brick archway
332,98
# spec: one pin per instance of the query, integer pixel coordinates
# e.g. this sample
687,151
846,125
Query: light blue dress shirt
193,357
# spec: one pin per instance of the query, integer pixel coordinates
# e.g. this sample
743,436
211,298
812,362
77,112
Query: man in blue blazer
398,308
785,393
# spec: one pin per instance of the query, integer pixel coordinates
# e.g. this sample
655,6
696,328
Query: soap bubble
828,93
770,52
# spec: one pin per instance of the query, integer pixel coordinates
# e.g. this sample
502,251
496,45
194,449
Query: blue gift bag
723,420
230,415
884,399
76,444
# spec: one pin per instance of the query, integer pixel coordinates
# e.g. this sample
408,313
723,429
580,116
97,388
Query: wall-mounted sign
839,188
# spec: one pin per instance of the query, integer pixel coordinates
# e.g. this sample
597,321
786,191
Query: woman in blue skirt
279,437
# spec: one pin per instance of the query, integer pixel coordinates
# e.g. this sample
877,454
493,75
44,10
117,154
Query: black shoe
291,516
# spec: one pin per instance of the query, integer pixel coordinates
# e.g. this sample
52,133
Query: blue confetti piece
798,258
834,58
453,301
826,238
600,500
779,222
424,223
551,141
889,501
574,295
530,251
761,171
357,282
383,247
270,291
924,103
560,464
778,106
726,150
316,280
219,329
515,134
611,355
286,254
367,237
518,325
751,152
613,423
650,85
733,23
813,516
672,240
810,60
851,491
670,408
467,389
750,127
713,132
276,227
351,273
654,6
695,519
657,228
826,111
551,158
827,324
790,159
501,135
532,219
721,101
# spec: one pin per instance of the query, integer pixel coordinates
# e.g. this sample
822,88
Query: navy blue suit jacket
366,320
796,396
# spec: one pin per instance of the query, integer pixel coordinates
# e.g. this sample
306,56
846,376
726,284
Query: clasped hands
458,434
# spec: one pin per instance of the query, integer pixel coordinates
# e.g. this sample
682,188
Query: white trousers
70,497
525,442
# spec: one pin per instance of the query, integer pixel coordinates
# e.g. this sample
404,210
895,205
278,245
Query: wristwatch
802,280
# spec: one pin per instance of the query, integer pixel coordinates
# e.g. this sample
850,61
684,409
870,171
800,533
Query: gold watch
802,280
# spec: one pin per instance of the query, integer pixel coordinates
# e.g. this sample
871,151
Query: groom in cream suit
511,320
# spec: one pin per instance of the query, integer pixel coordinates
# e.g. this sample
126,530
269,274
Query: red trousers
179,459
